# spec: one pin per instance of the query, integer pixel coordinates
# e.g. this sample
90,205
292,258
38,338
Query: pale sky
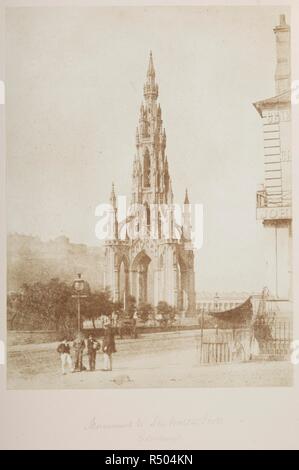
74,80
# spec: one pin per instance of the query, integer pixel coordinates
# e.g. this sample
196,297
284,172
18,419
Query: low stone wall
15,337
144,330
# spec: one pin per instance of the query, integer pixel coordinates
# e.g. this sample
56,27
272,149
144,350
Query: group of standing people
92,345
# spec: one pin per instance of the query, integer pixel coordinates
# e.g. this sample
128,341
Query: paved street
153,360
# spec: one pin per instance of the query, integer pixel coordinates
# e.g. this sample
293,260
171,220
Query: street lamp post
79,287
216,302
216,309
201,333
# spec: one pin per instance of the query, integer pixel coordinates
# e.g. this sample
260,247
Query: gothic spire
186,227
113,197
150,88
151,69
186,201
151,179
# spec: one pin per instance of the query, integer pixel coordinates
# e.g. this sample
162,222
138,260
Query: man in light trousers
108,346
64,350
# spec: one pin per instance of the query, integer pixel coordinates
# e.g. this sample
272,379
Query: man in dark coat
108,346
92,348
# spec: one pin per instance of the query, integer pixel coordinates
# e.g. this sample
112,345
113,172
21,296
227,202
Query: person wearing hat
108,346
92,348
64,350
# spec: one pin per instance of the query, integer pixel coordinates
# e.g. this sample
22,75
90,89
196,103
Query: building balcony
261,199
273,207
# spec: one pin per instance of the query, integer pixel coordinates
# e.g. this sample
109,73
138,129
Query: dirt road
153,360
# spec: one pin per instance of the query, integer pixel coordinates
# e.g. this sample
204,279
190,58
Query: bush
166,314
145,311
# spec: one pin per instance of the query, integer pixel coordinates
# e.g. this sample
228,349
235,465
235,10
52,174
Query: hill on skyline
29,260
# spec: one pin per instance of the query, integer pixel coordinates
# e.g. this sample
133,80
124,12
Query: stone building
274,199
158,263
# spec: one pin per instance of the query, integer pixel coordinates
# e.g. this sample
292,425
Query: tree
41,306
145,311
57,303
97,304
14,300
118,306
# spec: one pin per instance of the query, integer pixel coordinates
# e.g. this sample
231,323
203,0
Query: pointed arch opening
146,169
148,216
142,278
159,225
182,283
124,288
161,261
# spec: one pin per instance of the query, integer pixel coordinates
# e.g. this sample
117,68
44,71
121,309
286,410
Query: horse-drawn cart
126,326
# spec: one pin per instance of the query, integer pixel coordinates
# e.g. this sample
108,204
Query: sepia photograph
148,197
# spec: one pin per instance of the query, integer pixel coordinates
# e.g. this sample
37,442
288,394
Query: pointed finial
151,70
186,201
164,138
282,20
113,197
150,89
